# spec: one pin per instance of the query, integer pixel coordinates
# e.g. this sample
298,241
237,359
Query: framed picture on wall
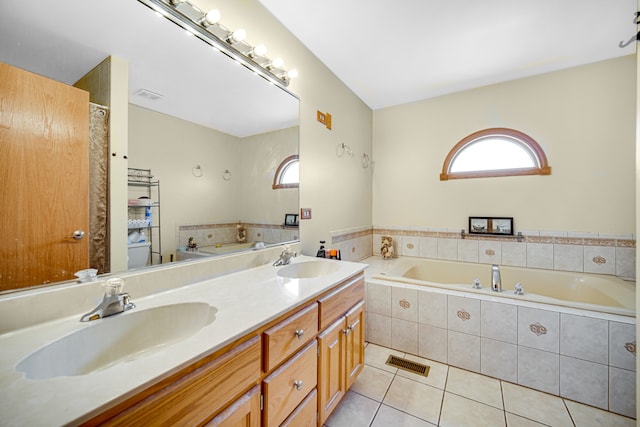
291,220
497,226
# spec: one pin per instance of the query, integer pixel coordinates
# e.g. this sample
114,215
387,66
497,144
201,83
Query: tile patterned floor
383,396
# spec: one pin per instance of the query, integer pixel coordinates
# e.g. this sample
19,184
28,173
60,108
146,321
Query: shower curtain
99,188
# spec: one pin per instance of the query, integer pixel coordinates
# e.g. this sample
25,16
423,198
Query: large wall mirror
212,132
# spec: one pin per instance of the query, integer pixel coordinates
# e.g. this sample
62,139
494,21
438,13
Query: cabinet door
244,412
354,351
331,368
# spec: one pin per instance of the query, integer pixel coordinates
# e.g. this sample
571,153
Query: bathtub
565,325
607,294
213,250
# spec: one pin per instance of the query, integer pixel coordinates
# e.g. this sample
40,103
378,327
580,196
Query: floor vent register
407,365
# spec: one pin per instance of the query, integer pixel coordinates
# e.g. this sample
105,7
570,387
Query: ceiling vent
152,96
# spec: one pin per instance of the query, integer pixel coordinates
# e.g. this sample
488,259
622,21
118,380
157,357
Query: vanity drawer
194,398
285,388
338,302
305,414
285,338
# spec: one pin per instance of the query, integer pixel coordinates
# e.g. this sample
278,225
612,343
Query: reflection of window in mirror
288,173
495,152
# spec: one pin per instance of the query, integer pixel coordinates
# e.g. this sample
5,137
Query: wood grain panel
281,395
336,304
281,340
195,398
305,415
331,376
354,355
44,179
244,412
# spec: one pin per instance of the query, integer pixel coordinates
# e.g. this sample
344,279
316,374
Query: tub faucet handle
519,290
477,284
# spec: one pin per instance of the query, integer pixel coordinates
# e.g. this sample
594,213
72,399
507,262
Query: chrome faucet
496,282
114,301
285,257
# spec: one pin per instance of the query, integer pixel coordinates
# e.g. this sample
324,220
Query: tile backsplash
552,250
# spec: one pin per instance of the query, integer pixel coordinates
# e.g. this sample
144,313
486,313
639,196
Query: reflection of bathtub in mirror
183,253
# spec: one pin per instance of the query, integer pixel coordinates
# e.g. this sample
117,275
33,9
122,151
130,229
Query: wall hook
634,38
631,40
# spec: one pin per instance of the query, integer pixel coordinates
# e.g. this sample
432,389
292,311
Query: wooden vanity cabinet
341,346
244,412
196,397
284,373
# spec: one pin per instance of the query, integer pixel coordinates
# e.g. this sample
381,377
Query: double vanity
264,346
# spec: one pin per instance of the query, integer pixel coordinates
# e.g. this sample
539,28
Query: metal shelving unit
142,184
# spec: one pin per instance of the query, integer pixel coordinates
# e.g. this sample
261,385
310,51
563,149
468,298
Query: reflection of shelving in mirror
144,212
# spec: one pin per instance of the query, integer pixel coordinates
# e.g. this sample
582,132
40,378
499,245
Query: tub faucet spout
496,283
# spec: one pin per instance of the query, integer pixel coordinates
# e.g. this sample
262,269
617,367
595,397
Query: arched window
288,173
495,152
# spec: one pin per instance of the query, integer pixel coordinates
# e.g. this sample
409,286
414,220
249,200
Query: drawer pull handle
298,384
299,333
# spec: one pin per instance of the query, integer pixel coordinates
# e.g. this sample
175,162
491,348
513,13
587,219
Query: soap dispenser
321,252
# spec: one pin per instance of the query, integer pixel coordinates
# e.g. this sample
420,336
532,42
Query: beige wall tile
378,299
600,259
432,309
622,340
378,329
404,304
432,343
622,392
499,360
584,381
404,335
539,370
463,315
495,320
568,257
539,329
540,255
584,337
464,351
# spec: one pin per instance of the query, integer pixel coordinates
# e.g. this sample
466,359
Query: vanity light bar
188,16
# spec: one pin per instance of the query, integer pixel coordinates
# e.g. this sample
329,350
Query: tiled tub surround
244,301
224,233
551,250
582,355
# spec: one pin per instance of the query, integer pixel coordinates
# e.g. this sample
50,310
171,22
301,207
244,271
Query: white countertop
244,301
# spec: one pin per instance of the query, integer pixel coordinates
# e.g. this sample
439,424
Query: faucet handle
113,286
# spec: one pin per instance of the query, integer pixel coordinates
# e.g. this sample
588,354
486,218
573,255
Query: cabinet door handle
298,384
346,331
299,333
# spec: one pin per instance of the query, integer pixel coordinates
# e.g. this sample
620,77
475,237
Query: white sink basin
117,338
307,270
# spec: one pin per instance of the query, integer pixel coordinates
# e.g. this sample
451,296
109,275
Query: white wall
171,147
584,119
337,189
259,157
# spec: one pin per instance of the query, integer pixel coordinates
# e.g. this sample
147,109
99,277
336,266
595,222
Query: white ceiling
64,39
392,52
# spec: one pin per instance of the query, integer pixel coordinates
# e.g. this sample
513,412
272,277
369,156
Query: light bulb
237,36
260,50
277,63
292,74
212,17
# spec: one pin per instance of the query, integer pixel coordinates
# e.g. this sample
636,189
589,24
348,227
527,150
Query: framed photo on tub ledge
494,226
291,220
